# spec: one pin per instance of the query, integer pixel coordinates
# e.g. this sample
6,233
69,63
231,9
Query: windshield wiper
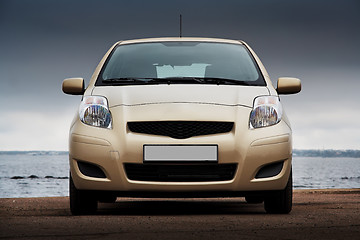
205,80
122,80
167,80
219,81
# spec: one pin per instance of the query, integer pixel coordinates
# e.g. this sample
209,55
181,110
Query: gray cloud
43,42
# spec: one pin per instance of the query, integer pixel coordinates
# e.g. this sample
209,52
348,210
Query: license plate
180,153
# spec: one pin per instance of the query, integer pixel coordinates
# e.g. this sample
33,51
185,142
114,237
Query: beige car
180,117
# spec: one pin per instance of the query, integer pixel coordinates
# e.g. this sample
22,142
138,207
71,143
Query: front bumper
251,150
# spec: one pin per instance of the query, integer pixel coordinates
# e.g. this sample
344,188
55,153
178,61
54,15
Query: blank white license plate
180,153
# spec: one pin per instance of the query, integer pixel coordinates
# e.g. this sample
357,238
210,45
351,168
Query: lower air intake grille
90,170
180,173
180,129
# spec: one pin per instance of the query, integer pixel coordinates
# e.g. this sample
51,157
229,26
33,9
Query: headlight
267,111
94,111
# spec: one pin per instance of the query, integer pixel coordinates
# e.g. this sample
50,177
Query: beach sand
317,214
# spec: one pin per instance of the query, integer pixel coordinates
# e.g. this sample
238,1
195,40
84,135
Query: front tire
81,202
280,202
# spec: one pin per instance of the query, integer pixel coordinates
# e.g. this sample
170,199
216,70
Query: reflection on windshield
194,70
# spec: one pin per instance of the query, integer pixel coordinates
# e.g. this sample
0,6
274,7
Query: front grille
180,172
180,129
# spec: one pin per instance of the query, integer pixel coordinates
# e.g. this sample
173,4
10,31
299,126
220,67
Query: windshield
138,63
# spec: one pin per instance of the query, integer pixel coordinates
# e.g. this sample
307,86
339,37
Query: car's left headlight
267,111
94,111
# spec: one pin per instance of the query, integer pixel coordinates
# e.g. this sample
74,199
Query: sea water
46,174
34,174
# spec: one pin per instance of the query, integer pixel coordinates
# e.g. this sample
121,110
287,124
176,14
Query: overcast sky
43,42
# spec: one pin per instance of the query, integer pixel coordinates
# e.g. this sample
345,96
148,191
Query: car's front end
175,136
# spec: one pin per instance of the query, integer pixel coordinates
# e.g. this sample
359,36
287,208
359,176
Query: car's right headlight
267,111
94,111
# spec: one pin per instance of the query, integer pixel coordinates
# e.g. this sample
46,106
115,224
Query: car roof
181,39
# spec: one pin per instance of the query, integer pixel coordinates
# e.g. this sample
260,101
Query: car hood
228,95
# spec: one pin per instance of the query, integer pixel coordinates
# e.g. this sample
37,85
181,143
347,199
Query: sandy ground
317,214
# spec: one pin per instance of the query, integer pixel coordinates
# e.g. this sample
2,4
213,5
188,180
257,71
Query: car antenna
180,25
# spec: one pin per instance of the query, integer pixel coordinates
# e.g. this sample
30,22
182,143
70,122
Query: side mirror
288,85
73,86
